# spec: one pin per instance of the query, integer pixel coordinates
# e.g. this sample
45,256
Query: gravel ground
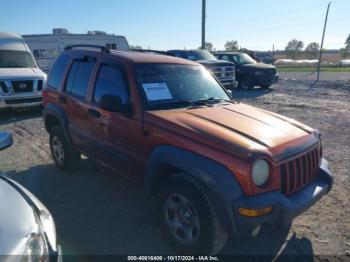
99,212
324,76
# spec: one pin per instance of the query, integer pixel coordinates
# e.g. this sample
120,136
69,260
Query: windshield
199,55
243,59
13,59
167,86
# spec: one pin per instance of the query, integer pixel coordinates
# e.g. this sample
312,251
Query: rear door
115,134
73,99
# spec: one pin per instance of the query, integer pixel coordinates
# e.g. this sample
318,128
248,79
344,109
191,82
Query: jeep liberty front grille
297,173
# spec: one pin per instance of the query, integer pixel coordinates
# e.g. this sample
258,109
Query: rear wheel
189,220
246,83
64,155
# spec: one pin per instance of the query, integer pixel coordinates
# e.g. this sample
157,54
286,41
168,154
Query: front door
115,133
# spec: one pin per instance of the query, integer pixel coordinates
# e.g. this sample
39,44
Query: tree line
294,49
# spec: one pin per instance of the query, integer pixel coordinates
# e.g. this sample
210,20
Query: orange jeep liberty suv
217,168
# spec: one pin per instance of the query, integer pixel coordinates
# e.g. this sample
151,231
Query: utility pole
203,22
321,49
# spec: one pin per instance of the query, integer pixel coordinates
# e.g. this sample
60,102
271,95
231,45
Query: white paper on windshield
157,91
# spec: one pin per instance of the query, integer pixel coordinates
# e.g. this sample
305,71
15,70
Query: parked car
215,166
27,229
21,81
250,73
221,69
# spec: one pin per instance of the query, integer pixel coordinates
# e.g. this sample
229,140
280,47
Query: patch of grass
313,69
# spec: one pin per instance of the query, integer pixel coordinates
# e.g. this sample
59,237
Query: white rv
47,47
21,80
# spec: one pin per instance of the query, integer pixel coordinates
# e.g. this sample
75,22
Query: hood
17,220
215,62
238,129
21,73
258,66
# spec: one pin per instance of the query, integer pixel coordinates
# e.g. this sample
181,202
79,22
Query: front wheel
63,154
189,220
246,83
265,86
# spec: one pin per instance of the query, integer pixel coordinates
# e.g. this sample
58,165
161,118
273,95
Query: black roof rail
102,48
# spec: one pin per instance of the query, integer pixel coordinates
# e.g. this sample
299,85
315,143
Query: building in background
47,47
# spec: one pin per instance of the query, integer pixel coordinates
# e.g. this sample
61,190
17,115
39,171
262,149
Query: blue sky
167,24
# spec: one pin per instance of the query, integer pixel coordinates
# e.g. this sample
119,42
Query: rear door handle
94,113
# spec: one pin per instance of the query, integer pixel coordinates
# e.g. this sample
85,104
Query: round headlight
260,172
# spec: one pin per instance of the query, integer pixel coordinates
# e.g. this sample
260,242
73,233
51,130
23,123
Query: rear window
56,73
78,78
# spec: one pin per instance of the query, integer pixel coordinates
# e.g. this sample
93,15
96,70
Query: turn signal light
254,212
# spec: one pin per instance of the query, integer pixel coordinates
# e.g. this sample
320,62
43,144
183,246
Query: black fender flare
219,179
59,113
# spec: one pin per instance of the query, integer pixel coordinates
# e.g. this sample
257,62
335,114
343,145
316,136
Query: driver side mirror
5,140
113,103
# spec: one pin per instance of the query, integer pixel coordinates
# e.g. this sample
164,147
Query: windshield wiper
190,104
215,100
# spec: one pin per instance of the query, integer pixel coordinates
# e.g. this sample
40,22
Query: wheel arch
223,186
55,115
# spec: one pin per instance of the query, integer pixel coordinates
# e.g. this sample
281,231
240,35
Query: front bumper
20,102
284,208
266,80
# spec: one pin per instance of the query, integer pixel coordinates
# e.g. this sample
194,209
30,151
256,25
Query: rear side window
56,73
110,81
78,78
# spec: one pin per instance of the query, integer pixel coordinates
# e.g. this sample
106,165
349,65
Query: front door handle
94,113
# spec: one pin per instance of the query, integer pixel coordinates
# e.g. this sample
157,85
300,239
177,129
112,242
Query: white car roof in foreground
12,41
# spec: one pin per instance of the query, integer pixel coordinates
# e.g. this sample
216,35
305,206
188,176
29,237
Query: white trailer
47,47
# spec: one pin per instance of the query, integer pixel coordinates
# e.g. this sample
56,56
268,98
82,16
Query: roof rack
102,48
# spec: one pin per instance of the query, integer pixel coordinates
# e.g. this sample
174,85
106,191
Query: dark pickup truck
223,70
249,72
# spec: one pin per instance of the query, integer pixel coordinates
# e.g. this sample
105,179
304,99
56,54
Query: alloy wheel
181,219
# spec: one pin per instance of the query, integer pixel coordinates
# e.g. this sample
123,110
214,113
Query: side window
78,78
112,46
225,57
39,53
57,71
110,81
235,58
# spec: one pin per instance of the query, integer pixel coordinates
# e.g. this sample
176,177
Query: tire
64,155
265,86
245,83
185,205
